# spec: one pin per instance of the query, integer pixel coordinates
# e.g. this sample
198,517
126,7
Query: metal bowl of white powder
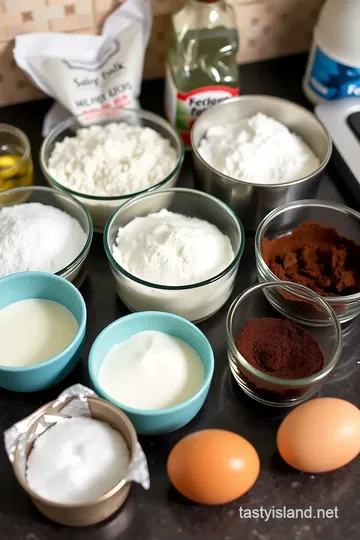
259,152
105,157
176,250
97,507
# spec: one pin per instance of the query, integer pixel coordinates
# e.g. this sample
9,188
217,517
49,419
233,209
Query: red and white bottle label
182,109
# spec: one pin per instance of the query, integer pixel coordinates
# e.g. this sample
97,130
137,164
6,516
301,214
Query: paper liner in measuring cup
17,436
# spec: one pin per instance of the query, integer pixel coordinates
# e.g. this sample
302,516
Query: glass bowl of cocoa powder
274,359
316,244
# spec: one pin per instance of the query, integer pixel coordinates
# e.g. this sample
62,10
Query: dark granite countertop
161,514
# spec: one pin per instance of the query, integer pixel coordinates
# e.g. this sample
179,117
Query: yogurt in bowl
168,362
50,331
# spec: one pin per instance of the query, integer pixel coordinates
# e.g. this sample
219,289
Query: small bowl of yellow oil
16,167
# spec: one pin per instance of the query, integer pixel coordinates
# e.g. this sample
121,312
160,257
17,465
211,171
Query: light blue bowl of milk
163,420
45,286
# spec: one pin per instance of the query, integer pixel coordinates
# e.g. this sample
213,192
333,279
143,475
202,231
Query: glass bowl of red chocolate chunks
316,244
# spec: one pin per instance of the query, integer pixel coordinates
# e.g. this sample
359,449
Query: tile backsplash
267,28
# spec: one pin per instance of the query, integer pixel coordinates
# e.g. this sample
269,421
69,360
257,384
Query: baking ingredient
34,330
333,69
316,256
258,150
213,466
14,171
172,249
77,460
202,69
151,370
40,237
280,348
85,73
112,160
320,435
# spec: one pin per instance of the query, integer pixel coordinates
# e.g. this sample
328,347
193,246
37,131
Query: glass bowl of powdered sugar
176,250
108,156
44,230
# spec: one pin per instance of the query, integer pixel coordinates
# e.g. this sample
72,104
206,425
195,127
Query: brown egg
213,466
320,435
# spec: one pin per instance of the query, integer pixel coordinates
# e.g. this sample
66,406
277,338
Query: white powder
39,237
172,249
259,150
151,370
77,460
115,159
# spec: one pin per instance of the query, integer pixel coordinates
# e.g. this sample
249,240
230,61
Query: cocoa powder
280,348
315,256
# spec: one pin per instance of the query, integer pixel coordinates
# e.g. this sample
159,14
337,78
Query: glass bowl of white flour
43,229
259,152
105,157
176,250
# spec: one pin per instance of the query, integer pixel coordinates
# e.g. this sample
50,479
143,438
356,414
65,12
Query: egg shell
320,435
213,466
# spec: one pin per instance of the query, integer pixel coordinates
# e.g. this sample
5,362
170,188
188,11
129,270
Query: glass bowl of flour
44,230
105,157
176,250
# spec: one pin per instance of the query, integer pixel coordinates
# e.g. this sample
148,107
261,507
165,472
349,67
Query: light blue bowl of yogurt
17,372
152,421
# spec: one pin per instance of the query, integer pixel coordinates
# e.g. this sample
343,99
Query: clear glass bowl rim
8,128
290,206
81,207
121,270
120,110
306,293
284,102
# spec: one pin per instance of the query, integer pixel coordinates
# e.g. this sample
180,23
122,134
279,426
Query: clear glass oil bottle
201,67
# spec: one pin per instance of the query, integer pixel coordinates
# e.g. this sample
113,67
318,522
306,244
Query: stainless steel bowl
253,201
94,510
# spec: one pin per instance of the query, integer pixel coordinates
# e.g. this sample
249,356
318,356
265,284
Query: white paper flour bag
86,72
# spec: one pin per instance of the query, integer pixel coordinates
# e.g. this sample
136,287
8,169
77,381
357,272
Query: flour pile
78,459
38,237
112,160
172,249
259,150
